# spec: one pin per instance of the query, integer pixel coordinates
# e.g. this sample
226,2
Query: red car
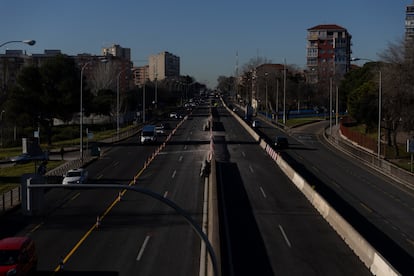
17,256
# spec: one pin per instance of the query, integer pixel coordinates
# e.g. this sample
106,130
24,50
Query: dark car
26,158
281,142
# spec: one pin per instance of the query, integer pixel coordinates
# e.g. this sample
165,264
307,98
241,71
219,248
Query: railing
10,199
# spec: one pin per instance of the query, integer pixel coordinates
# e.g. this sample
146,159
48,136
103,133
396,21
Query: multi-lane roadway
267,226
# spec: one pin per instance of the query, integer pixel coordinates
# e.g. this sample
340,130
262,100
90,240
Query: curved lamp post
30,42
117,100
81,112
379,104
81,107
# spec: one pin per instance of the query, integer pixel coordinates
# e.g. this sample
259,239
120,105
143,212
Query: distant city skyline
205,35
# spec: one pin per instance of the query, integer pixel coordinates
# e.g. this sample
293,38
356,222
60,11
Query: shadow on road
243,249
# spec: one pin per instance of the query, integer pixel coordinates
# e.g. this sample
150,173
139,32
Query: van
17,256
148,134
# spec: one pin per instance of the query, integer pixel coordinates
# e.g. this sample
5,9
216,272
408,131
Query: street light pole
81,112
2,123
117,104
81,108
284,94
156,91
143,103
28,42
266,95
117,101
277,100
379,113
330,107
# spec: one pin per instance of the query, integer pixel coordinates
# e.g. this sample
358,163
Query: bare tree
103,77
397,90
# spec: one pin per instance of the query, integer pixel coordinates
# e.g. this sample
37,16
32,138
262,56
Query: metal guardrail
10,199
382,165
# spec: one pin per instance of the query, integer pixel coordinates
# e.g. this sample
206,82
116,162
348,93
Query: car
281,142
26,158
174,115
148,134
17,256
75,176
255,123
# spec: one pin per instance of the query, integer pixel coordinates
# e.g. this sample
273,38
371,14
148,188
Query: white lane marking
284,235
174,173
180,159
142,249
165,194
115,164
185,147
75,196
251,169
179,152
244,154
263,192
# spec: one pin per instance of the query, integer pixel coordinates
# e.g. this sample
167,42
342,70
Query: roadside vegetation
378,94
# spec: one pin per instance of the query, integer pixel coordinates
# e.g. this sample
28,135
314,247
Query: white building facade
163,65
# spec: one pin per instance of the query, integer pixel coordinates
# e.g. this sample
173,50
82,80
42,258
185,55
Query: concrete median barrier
377,264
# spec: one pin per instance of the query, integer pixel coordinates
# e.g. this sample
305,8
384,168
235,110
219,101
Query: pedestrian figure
62,152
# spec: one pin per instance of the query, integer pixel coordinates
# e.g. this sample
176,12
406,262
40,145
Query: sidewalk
338,140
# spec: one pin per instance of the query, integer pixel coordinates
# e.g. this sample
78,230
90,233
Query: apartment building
328,53
11,62
163,65
117,51
409,22
140,75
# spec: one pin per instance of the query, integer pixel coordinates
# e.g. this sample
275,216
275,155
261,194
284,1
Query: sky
211,37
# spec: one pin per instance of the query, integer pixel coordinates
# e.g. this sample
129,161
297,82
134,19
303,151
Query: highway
270,227
136,235
267,226
380,208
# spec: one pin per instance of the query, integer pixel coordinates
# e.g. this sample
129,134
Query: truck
148,134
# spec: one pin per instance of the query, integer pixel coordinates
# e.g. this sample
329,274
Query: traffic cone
98,222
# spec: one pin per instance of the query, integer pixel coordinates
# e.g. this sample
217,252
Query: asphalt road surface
269,226
137,235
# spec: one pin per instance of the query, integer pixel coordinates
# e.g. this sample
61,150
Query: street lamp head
30,42
103,60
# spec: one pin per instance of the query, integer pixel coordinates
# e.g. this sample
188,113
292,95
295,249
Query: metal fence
10,199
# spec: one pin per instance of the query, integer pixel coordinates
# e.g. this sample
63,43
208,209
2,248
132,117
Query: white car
76,176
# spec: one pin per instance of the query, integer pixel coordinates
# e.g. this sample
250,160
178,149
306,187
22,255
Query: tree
226,84
397,91
44,93
104,102
361,106
358,89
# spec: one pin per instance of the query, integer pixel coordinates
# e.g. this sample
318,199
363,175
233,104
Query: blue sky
205,34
